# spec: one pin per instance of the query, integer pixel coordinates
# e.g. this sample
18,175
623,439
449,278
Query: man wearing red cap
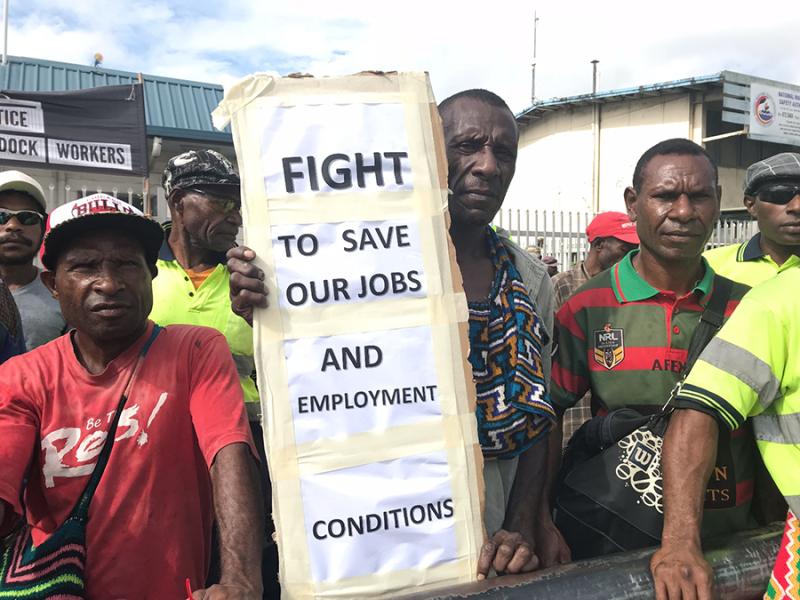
611,236
166,402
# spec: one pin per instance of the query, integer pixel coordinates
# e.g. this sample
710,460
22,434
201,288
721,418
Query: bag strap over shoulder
81,509
711,320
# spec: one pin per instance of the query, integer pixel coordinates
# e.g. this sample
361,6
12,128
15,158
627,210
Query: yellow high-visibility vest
177,302
751,369
746,262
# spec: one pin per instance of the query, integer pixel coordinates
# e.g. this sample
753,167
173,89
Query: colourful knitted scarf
506,338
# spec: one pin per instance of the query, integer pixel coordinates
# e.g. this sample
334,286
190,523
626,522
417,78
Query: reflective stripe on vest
745,366
779,429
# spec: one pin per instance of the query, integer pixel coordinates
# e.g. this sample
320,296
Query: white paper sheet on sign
353,262
332,398
380,517
367,399
335,136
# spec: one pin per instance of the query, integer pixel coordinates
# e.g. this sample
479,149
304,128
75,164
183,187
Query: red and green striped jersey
626,342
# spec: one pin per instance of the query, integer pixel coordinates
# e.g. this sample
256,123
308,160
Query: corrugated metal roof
538,109
174,108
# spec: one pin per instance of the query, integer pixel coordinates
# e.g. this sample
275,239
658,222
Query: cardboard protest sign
366,392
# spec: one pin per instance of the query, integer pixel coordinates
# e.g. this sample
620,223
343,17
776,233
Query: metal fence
131,194
562,234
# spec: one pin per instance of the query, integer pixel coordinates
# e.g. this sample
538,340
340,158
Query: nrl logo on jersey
609,346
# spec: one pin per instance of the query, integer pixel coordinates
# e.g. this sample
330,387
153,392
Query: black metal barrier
742,567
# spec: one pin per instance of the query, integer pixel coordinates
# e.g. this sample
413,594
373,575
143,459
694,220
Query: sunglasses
25,217
223,204
778,194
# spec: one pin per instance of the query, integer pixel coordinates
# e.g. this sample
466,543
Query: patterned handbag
56,568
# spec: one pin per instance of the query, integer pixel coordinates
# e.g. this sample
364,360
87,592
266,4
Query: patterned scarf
506,338
784,584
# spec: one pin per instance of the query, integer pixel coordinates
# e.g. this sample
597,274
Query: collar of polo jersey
629,286
165,252
751,250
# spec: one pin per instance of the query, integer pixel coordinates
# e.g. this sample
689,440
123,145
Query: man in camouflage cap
193,286
199,168
193,283
772,197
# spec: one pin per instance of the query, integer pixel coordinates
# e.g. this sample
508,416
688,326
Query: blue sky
462,44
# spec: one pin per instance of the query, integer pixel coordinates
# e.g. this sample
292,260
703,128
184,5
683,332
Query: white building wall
731,181
554,164
627,130
556,153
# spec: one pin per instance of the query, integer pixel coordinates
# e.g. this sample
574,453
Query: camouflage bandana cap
198,168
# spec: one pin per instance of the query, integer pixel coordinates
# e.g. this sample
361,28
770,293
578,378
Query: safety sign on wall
775,113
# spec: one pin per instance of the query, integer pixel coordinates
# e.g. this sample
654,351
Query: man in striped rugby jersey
624,335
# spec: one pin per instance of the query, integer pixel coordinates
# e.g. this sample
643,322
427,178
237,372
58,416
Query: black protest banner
99,129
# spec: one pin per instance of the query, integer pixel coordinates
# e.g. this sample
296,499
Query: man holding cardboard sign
504,287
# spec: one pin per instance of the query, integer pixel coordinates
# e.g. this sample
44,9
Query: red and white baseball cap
93,213
612,224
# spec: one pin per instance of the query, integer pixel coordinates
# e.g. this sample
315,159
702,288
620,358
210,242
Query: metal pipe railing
742,567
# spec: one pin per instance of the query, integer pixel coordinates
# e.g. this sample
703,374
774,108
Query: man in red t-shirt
182,453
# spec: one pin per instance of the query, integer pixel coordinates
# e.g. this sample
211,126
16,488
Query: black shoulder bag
609,491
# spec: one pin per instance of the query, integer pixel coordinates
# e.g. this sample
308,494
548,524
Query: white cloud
462,44
52,39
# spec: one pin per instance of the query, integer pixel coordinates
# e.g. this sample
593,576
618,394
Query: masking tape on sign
443,309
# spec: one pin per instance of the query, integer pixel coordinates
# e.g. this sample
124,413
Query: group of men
182,489
623,339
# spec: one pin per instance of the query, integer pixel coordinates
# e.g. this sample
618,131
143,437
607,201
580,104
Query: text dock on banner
98,129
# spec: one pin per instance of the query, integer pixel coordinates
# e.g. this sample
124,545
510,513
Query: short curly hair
671,146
